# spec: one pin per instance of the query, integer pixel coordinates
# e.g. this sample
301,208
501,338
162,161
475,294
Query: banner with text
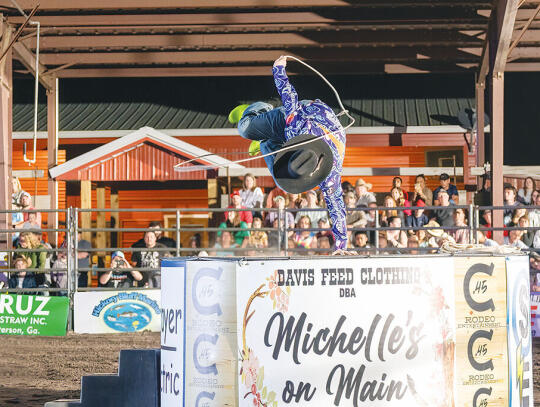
33,315
100,312
350,332
520,364
535,314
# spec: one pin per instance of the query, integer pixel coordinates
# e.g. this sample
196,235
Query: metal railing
209,230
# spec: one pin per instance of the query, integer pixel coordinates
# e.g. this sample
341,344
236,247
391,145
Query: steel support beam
22,53
6,104
52,158
497,151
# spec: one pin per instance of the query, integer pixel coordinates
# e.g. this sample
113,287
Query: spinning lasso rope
181,167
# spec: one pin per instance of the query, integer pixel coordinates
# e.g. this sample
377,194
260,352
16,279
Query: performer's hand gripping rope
183,168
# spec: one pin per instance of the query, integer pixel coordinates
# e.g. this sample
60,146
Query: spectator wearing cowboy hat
437,235
362,191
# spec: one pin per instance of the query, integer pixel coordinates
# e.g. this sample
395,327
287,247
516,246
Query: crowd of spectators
399,221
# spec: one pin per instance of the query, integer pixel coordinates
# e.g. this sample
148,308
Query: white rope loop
181,166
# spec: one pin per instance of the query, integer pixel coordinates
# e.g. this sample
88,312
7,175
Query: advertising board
98,312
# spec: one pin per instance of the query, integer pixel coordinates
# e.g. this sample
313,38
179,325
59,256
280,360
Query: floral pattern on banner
439,321
252,374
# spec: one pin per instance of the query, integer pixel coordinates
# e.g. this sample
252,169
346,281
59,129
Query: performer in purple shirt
310,163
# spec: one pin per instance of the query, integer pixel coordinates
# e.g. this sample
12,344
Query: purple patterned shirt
318,118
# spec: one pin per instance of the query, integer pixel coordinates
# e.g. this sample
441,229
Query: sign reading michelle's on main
301,317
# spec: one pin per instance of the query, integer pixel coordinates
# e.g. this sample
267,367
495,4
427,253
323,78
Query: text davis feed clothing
262,123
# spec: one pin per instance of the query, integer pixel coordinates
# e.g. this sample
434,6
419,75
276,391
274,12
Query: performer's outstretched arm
286,90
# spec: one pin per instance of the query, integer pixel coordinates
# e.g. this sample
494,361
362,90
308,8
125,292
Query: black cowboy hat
300,169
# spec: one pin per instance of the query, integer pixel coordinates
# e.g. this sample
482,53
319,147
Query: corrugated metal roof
134,115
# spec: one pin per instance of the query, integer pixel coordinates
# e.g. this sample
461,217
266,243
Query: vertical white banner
173,273
346,332
519,332
211,350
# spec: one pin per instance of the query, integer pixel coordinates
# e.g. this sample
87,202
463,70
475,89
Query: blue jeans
262,122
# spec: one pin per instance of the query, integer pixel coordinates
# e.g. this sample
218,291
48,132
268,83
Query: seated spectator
413,245
386,214
161,238
418,218
355,218
83,260
241,237
22,278
536,240
314,215
524,194
31,223
305,239
324,245
346,186
362,192
291,201
485,221
195,244
534,215
421,191
483,196
421,238
279,203
483,240
361,241
460,219
396,238
37,258
528,235
25,202
59,278
225,245
17,221
450,189
275,192
398,195
444,216
324,225
510,199
17,191
245,216
279,237
516,215
383,244
514,239
252,196
149,259
437,236
397,182
258,239
117,278
370,221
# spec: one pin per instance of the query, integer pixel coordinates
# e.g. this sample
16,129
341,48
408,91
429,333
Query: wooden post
52,158
497,152
86,203
6,103
115,219
101,238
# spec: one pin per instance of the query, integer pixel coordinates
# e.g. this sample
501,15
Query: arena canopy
212,38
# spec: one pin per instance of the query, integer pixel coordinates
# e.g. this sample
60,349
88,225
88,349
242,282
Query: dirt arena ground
34,370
